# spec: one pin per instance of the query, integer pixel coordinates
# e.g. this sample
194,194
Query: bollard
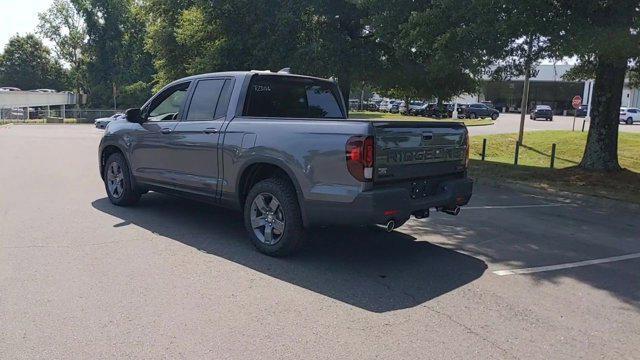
553,154
515,160
484,148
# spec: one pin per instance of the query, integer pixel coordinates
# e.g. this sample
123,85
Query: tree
499,31
116,56
162,40
419,59
605,33
27,64
62,25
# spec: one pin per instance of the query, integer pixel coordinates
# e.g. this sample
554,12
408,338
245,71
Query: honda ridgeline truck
281,149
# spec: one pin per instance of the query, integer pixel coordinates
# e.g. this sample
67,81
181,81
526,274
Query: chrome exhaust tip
391,224
453,211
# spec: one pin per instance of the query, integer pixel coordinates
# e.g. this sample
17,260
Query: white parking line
565,266
513,206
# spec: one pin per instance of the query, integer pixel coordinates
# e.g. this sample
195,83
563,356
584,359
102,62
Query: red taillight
360,151
368,151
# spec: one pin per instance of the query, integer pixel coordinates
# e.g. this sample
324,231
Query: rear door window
205,100
292,97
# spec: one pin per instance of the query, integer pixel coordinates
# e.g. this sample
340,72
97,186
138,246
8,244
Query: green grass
372,115
534,160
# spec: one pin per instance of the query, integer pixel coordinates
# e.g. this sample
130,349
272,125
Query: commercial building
546,88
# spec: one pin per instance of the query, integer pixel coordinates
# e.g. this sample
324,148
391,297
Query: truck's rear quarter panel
311,150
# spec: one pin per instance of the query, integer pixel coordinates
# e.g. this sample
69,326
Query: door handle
166,130
210,131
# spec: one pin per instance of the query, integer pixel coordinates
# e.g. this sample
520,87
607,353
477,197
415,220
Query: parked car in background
414,106
386,105
582,111
480,110
460,109
542,112
44,90
102,123
629,115
226,138
395,107
9,88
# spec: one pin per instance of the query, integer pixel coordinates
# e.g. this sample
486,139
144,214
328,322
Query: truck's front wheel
272,217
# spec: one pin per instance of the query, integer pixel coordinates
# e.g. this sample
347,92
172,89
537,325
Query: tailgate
411,150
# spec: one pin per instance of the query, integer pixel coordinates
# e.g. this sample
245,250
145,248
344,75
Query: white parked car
414,106
388,105
102,123
629,115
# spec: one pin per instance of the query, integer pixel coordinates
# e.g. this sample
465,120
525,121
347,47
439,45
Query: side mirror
134,115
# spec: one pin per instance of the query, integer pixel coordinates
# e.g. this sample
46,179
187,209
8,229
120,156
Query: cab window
292,97
166,106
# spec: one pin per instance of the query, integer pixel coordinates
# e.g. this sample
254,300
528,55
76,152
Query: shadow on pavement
516,238
369,269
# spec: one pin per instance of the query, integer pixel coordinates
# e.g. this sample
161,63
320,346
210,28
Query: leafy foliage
62,25
27,64
115,57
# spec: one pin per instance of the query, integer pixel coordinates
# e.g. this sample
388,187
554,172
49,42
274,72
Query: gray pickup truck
281,149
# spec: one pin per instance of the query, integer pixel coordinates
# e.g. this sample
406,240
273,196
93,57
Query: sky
19,16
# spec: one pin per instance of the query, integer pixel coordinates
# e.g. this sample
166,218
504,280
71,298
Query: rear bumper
394,202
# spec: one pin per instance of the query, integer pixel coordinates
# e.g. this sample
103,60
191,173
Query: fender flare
282,165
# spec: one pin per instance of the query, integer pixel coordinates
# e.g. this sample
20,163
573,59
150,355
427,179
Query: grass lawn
534,159
373,115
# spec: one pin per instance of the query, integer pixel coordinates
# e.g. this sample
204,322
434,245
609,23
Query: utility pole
525,89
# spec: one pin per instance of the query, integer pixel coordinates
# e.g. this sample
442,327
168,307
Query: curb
524,188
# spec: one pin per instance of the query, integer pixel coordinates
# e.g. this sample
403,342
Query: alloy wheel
115,180
267,218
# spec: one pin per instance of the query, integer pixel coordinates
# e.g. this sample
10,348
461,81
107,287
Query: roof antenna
286,70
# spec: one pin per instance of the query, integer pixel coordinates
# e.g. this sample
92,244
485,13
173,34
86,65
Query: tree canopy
27,64
118,51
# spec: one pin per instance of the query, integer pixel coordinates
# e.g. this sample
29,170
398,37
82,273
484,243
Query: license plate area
422,188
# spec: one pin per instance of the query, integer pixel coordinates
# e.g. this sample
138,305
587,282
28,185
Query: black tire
127,195
292,238
629,121
551,119
494,117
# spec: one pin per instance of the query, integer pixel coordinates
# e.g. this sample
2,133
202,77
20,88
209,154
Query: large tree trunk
601,151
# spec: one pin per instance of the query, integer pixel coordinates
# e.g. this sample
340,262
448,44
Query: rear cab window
292,97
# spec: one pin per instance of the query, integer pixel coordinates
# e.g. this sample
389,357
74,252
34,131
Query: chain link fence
53,115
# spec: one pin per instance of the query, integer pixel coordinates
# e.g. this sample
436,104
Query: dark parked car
281,149
542,112
479,110
582,111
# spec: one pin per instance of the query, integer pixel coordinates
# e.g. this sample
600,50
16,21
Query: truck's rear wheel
272,217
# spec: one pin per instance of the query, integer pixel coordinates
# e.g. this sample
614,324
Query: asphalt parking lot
511,277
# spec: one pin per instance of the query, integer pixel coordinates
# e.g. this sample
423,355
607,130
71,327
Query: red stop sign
576,102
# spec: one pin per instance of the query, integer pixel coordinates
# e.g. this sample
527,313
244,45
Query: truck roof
239,74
